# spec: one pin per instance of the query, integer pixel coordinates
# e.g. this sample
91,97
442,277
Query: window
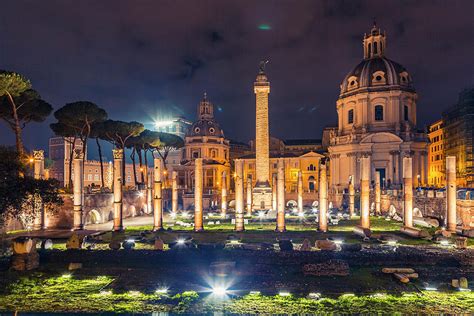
89,177
405,112
379,113
350,116
370,49
311,167
375,48
195,154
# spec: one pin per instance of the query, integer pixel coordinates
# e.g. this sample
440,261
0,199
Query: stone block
74,242
24,262
47,244
115,245
128,244
74,266
326,245
159,244
23,245
461,242
306,246
463,284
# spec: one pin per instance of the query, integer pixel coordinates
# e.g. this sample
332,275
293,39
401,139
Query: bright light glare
261,214
130,240
431,288
219,291
173,215
444,242
185,214
180,241
161,291
314,296
105,292
140,194
392,242
66,276
284,293
301,214
134,293
338,241
464,290
163,123
254,292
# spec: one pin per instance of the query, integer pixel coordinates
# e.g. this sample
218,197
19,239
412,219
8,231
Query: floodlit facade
59,153
376,118
205,139
436,163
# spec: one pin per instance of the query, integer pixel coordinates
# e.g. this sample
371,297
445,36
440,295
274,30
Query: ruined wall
98,208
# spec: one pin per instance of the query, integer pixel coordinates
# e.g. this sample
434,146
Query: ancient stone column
239,195
198,183
378,193
351,197
174,192
224,195
118,207
300,192
365,192
157,194
451,193
249,196
407,192
281,226
78,187
262,191
149,191
40,216
274,192
323,198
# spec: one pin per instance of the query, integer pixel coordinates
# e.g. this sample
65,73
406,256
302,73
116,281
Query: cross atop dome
205,109
374,43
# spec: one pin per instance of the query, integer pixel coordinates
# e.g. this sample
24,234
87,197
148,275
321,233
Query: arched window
405,113
370,49
350,116
378,112
375,48
311,167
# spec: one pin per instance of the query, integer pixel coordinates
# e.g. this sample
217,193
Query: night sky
142,60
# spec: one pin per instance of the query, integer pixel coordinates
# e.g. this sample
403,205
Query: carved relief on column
117,187
78,188
40,216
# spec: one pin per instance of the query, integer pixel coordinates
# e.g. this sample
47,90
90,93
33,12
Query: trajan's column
262,192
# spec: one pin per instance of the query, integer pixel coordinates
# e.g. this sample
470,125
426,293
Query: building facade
59,152
178,126
436,163
205,139
459,137
376,118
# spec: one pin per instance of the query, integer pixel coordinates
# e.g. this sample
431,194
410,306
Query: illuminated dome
205,125
376,72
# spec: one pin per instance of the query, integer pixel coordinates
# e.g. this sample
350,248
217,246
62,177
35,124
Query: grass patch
38,293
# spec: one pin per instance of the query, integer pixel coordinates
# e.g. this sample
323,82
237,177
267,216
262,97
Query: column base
80,227
280,230
197,230
118,229
156,229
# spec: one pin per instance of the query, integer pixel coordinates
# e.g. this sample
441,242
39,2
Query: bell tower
374,43
205,109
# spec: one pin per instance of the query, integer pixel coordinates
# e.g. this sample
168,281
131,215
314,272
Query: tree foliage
17,193
17,103
168,142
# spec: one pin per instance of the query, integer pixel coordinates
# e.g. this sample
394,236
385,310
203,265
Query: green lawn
38,293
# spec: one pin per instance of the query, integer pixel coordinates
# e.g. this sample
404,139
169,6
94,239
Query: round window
212,130
378,78
353,82
197,130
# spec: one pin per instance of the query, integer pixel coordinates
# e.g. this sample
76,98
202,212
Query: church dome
376,72
205,128
206,124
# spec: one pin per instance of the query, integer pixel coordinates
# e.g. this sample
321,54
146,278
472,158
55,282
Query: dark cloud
147,59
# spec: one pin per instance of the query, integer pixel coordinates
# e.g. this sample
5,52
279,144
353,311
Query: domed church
376,113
